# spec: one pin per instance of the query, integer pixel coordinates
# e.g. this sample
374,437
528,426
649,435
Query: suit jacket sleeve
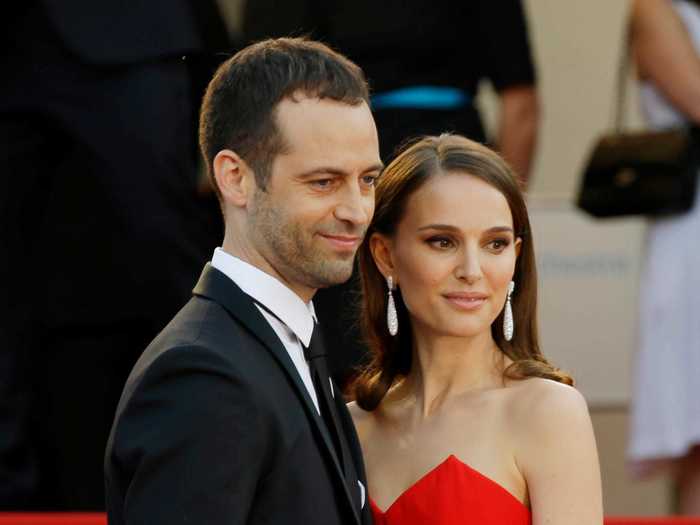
190,443
505,53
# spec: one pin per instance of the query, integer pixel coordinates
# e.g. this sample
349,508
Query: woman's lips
466,301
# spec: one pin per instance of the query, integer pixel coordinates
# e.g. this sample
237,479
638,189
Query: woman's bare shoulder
539,386
555,450
542,411
538,398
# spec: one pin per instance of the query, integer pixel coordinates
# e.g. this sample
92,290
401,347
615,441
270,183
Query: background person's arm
518,126
507,62
665,55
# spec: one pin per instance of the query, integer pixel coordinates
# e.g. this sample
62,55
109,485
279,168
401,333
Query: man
230,416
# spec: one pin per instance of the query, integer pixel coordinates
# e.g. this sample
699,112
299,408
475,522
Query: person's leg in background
81,374
113,210
123,218
25,141
688,483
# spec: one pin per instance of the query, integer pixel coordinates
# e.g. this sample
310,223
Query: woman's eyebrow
449,227
498,229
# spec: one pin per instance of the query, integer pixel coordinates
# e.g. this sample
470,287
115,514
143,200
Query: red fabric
80,518
450,494
49,518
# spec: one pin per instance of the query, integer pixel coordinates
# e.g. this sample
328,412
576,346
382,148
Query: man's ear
235,179
381,248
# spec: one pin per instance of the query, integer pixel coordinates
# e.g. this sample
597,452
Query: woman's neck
447,367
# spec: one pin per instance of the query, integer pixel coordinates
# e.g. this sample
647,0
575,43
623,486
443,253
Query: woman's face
454,255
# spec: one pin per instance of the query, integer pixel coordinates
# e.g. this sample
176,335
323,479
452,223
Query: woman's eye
499,244
440,242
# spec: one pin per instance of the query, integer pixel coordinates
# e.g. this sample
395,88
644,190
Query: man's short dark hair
238,108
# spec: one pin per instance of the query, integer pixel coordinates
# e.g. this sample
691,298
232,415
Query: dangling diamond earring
392,320
508,324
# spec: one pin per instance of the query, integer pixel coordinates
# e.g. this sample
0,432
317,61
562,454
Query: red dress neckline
453,492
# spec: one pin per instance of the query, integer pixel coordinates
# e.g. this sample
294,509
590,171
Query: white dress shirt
298,318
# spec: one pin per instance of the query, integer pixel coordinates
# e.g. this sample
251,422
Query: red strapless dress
450,494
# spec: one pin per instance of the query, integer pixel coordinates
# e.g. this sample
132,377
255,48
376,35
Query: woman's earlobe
380,247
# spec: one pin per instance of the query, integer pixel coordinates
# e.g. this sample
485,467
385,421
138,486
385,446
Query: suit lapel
216,286
356,456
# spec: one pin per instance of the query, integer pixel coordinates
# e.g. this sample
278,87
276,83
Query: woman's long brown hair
391,356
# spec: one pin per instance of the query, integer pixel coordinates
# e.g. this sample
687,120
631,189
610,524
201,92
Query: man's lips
466,300
344,242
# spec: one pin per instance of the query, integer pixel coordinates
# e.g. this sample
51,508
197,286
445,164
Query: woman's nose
469,266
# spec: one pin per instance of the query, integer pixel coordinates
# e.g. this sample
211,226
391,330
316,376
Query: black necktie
315,354
318,366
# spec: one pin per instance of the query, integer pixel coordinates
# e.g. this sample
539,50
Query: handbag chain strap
622,74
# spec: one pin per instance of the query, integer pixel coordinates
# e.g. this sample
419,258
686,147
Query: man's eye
369,180
322,183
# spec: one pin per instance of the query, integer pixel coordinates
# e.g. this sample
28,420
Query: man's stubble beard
291,249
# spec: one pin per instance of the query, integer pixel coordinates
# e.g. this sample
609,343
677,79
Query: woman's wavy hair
391,356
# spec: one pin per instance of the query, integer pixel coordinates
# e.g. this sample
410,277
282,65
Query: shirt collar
270,292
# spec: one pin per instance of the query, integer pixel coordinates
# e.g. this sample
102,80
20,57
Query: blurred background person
98,200
424,60
665,431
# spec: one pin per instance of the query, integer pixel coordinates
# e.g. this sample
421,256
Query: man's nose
355,206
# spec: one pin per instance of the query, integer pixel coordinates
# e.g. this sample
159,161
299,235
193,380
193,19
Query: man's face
309,221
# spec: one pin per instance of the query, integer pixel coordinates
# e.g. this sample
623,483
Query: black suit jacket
118,32
90,79
215,426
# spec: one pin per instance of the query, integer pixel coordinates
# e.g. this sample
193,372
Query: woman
665,430
461,418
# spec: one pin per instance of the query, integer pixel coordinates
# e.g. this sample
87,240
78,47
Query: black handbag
640,173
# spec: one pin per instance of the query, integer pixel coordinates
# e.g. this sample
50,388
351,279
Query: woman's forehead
459,199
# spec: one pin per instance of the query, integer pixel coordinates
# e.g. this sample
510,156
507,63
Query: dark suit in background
216,400
101,230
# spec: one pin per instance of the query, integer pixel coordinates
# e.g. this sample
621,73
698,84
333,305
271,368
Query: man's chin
333,277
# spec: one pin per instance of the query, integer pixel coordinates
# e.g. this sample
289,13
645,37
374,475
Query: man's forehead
322,120
326,135
300,101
